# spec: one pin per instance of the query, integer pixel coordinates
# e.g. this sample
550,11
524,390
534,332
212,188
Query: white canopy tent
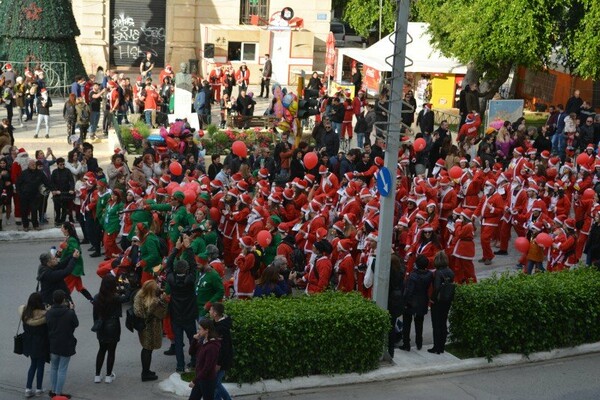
425,58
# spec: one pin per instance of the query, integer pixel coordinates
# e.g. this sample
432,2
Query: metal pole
386,219
380,16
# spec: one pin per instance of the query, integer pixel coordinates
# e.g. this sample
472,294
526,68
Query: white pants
39,124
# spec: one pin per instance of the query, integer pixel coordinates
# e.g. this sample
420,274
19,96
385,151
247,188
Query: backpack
133,322
446,291
255,270
84,116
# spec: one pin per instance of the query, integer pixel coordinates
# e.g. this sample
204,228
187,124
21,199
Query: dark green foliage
36,31
524,313
298,336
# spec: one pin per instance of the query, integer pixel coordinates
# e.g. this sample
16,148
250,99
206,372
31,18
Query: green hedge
299,336
527,313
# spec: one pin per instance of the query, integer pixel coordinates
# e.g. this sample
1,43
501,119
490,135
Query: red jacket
345,270
243,281
464,247
318,276
490,210
448,202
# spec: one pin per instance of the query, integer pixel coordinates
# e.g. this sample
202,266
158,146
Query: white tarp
424,57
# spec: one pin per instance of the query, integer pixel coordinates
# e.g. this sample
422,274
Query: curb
44,234
176,386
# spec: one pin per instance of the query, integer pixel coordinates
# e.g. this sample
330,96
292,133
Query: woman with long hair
70,115
150,304
67,248
35,341
207,351
270,283
107,308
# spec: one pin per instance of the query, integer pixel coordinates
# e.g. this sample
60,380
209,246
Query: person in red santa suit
471,186
489,211
563,247
19,165
319,270
216,80
228,228
470,128
428,245
559,203
243,281
463,248
584,203
344,266
516,206
366,266
448,202
167,71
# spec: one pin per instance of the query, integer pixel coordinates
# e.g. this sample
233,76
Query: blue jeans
190,330
148,115
559,144
58,372
532,264
203,390
220,391
36,369
41,118
94,120
360,140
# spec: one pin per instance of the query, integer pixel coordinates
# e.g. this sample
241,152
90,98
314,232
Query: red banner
330,56
371,79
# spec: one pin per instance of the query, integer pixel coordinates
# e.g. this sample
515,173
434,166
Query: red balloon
171,143
419,144
544,240
264,238
583,159
239,149
522,244
190,197
172,187
215,214
588,194
310,160
455,172
175,168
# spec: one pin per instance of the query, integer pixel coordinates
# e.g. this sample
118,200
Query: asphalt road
569,379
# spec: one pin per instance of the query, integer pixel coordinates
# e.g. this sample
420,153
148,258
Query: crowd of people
264,223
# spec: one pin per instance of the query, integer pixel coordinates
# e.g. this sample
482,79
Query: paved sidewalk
406,365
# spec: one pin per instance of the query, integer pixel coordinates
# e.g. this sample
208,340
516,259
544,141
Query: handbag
133,322
18,340
97,325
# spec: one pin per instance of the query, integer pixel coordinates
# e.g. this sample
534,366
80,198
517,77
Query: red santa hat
426,228
246,199
365,194
545,154
310,178
538,226
288,194
276,198
216,184
538,205
490,182
349,176
373,236
403,222
422,215
242,186
345,245
246,241
339,226
165,179
263,173
379,161
323,170
570,223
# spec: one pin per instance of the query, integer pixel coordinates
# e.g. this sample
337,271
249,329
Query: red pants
581,239
111,249
167,328
216,89
104,268
74,282
346,127
444,232
464,271
504,232
228,257
487,234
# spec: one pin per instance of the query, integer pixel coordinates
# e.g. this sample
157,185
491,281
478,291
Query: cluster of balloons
542,239
285,108
190,190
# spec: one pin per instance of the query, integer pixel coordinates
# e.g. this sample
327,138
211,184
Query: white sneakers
39,392
29,393
110,378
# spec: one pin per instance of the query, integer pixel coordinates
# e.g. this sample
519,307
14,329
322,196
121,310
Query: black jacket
29,182
337,113
182,307
592,245
62,322
331,142
52,279
110,314
425,121
439,277
62,180
396,293
223,328
416,296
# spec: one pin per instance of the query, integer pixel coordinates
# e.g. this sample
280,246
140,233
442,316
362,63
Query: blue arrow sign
384,181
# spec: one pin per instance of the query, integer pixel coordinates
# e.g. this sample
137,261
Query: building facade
117,33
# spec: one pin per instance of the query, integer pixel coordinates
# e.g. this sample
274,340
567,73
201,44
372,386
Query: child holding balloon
535,254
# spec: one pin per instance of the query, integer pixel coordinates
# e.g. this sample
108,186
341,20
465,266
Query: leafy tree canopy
362,15
495,35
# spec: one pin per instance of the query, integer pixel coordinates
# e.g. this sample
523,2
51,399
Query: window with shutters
257,8
242,51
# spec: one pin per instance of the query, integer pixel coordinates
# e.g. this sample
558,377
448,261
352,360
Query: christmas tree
36,31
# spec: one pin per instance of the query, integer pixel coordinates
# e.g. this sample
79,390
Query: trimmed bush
527,313
299,336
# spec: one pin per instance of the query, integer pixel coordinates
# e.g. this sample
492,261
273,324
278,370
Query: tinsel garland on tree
40,31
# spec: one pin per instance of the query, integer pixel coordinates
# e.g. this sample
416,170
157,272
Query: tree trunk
488,88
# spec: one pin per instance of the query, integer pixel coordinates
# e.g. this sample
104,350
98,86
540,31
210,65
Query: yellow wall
443,91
